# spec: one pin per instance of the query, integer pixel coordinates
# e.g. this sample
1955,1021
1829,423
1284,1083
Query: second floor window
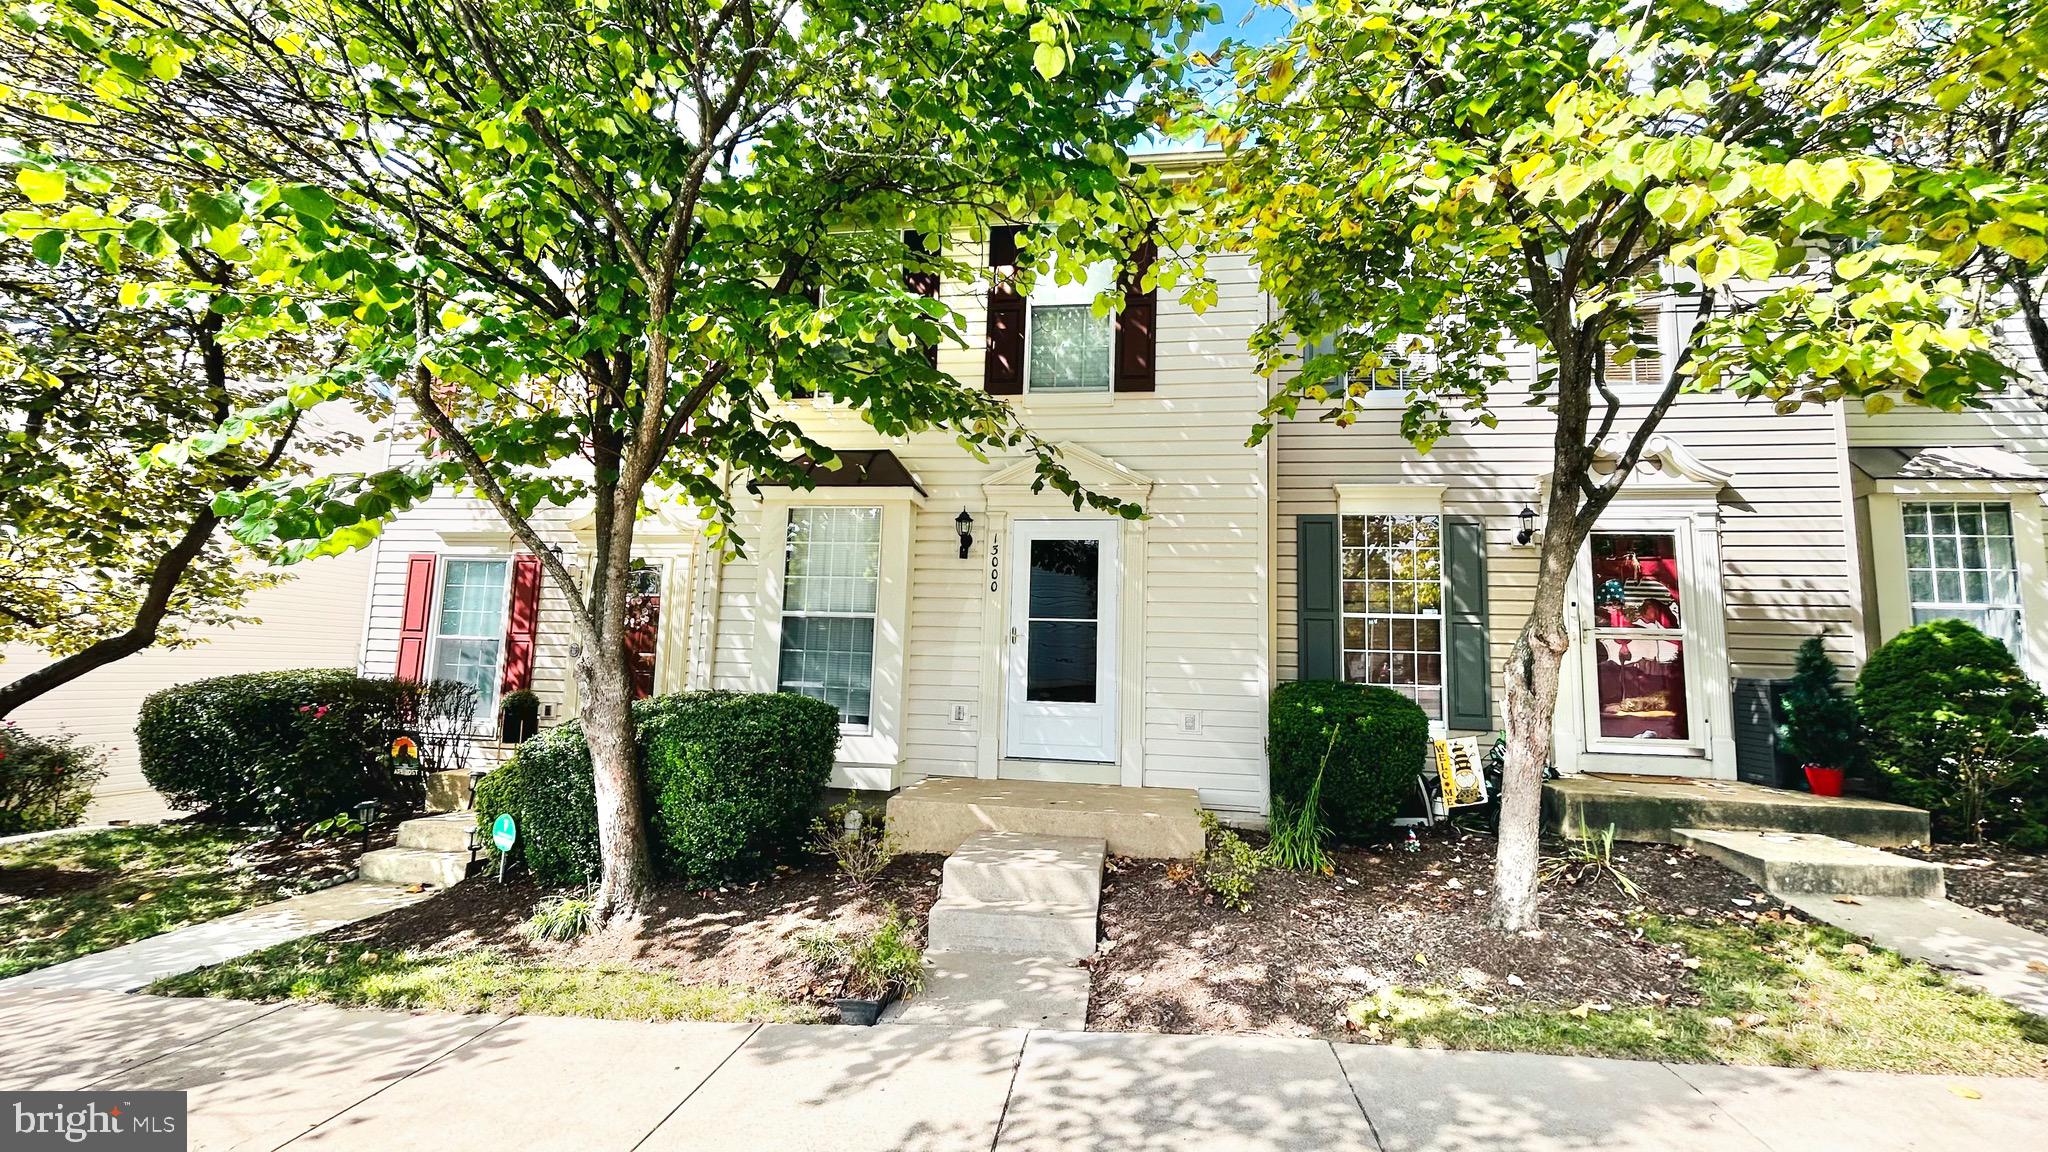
1070,348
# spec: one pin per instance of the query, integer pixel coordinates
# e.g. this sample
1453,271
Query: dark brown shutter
1003,374
1136,325
921,278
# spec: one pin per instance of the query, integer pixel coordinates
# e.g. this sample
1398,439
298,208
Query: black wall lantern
964,524
1528,518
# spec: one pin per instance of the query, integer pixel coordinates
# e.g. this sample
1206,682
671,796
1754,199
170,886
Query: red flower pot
1824,781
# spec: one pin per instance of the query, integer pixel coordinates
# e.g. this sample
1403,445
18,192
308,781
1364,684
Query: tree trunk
605,683
1532,678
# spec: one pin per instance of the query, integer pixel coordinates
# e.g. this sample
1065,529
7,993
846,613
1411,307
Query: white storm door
1062,659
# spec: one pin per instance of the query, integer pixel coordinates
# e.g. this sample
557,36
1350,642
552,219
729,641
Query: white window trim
869,759
2030,552
1400,500
485,720
1101,278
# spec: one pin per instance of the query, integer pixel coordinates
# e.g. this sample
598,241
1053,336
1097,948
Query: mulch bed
1176,961
1994,880
742,935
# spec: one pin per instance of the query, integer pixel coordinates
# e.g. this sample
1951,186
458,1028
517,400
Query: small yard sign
504,832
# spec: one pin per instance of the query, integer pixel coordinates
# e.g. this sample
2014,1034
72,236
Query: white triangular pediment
1666,468
1092,470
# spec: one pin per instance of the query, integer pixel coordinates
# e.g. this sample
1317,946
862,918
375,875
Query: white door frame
1671,490
1016,493
1046,730
1693,601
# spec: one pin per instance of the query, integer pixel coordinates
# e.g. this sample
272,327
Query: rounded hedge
1952,724
547,788
1382,740
293,746
45,782
733,777
730,779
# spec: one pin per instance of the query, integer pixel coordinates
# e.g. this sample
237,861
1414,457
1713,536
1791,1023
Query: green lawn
481,980
67,896
1783,993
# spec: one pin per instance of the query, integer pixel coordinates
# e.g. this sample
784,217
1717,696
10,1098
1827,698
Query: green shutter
1468,692
1315,599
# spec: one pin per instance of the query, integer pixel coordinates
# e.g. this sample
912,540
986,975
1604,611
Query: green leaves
41,187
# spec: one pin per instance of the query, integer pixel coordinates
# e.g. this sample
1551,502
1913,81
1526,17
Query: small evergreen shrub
730,781
45,781
1382,741
732,777
293,746
1820,716
547,788
1952,725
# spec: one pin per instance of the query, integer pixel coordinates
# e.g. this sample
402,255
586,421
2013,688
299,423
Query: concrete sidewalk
263,1077
137,965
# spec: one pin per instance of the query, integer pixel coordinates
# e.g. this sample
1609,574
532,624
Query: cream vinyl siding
313,620
451,525
1787,566
2016,422
1205,573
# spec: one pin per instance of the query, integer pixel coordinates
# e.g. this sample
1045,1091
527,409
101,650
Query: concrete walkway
1992,955
137,965
263,1077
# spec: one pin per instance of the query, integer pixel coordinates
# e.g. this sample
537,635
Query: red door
643,628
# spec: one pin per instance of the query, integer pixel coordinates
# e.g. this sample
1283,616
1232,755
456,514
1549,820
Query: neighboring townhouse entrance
1060,699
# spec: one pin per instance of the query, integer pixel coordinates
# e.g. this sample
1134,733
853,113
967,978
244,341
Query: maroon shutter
413,621
920,278
522,619
1136,327
1003,375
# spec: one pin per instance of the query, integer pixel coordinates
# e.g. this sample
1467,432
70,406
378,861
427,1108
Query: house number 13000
995,565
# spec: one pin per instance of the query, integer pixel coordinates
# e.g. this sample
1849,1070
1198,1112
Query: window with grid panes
1960,565
1393,596
469,630
831,574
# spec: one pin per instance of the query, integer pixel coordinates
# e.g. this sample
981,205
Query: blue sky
1266,22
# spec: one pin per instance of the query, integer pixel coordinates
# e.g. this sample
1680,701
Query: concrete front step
448,832
415,866
1012,927
449,791
938,813
1653,810
1025,866
989,990
1795,863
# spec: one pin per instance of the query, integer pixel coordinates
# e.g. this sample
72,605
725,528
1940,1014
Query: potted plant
1820,727
518,717
875,966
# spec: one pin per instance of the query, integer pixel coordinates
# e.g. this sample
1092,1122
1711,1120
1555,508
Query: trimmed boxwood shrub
547,788
1382,742
293,746
732,777
1954,726
45,782
731,780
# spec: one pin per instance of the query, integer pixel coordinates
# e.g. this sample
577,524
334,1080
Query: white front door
1061,658
1639,606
